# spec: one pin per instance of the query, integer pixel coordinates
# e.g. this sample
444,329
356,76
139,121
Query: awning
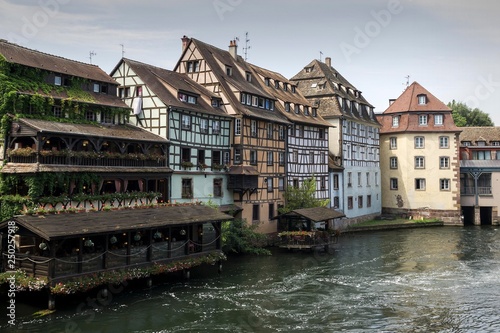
69,225
315,214
245,170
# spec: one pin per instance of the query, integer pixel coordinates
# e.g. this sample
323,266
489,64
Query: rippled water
418,280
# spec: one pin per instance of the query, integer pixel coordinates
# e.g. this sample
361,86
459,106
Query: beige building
419,144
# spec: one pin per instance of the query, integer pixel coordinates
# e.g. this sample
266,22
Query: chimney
185,40
328,61
233,49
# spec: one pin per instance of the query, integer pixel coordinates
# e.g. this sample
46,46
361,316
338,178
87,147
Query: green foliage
464,116
302,197
239,237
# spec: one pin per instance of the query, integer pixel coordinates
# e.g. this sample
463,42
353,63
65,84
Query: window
359,179
422,99
193,66
248,76
322,183
57,80
420,184
393,143
311,158
186,122
367,179
269,158
276,84
227,157
444,184
306,110
368,200
419,142
395,121
271,211
269,130
187,188
229,70
314,112
57,110
393,162
191,99
282,132
267,81
295,156
255,213
438,119
360,201
215,102
216,157
262,103
481,155
287,106
481,143
335,182
107,118
237,155
298,131
237,126
296,108
376,178
217,187
97,88
419,162
90,115
201,157
270,186
466,143
253,128
349,179
321,133
422,120
444,142
281,156
285,86
336,202
138,91
394,183
350,202
444,162
255,101
216,127
204,125
253,157
186,155
281,183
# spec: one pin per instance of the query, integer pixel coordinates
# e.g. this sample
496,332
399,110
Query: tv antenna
91,53
123,50
320,55
407,77
247,47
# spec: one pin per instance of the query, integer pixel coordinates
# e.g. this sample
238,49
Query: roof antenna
123,50
245,49
91,53
407,77
320,55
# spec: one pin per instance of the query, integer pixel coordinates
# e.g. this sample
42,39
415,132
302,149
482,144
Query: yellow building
419,144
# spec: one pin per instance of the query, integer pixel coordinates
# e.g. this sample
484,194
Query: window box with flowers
187,164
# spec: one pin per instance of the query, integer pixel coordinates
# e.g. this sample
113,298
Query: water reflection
420,280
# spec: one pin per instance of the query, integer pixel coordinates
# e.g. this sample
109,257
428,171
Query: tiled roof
16,168
323,84
122,132
20,55
291,97
408,101
162,82
406,107
96,98
474,134
216,60
486,164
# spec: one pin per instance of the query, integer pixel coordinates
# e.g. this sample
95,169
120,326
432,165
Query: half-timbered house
193,119
257,172
353,139
307,140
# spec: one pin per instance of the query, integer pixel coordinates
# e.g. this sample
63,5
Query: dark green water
420,280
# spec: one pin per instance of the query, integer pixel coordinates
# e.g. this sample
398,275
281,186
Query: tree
464,116
241,238
302,197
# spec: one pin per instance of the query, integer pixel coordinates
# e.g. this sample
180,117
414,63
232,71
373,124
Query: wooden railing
87,161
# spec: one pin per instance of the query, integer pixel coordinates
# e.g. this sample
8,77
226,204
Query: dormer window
395,121
215,102
481,143
466,143
57,80
309,69
314,112
248,76
438,119
97,88
306,110
285,86
297,108
267,81
229,70
191,99
187,98
422,120
287,106
294,89
422,99
277,84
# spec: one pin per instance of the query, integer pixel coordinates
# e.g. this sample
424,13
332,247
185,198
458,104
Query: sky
450,47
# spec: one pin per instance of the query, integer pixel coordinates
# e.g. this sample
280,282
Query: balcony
83,158
470,190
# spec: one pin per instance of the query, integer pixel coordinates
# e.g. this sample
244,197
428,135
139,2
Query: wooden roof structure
315,214
51,227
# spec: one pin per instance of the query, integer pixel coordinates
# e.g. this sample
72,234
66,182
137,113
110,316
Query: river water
438,279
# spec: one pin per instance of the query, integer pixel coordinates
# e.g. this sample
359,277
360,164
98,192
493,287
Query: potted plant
186,164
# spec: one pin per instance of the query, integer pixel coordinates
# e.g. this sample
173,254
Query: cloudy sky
451,47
